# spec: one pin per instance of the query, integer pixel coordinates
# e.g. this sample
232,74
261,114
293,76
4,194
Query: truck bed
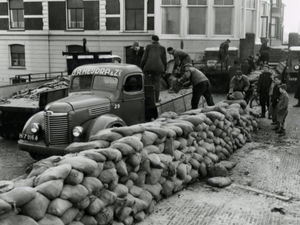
20,105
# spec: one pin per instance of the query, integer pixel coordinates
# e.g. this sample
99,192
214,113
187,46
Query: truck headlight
77,131
296,67
34,127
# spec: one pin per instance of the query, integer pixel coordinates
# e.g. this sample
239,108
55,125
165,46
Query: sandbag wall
121,173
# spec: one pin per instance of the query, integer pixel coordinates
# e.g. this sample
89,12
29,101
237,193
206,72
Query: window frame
69,14
122,19
19,58
21,24
232,7
188,6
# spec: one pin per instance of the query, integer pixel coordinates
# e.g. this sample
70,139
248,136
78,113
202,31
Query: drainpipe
270,25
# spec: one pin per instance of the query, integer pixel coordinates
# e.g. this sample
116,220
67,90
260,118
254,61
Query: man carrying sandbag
201,85
239,85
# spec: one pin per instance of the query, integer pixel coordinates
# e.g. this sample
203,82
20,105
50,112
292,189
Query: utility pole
270,24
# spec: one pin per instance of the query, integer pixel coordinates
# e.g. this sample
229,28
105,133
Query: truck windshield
103,83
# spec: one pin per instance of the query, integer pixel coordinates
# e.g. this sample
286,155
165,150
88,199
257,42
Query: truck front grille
56,128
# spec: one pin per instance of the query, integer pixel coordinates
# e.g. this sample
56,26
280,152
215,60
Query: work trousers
153,78
202,88
264,102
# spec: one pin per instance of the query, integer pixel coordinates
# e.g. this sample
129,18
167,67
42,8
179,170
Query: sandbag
134,142
4,207
6,185
69,215
121,168
49,219
29,182
124,148
105,216
148,138
82,164
42,165
74,193
58,206
37,207
121,191
106,135
93,155
88,220
19,196
75,177
50,189
18,220
111,154
108,197
134,160
83,204
54,173
92,184
219,181
81,146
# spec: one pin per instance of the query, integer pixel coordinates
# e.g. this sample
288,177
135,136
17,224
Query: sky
292,16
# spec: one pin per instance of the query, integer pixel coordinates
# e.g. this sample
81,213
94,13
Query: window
275,3
75,14
197,16
17,55
250,15
133,83
273,27
129,15
171,16
105,83
16,10
223,10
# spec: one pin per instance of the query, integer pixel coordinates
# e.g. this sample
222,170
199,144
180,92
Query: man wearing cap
154,64
263,87
181,58
282,110
137,54
223,53
201,85
239,84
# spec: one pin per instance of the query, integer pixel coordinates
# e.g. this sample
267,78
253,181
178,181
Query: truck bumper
39,147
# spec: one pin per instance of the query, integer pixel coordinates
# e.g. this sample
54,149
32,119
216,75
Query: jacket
154,58
264,83
136,56
282,107
275,95
239,85
192,76
181,58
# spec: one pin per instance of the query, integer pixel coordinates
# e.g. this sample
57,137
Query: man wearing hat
223,53
263,88
137,54
282,110
201,85
239,84
154,64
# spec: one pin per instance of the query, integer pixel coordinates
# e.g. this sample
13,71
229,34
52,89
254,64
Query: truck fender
103,122
36,118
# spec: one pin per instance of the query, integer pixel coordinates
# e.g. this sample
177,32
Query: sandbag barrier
121,173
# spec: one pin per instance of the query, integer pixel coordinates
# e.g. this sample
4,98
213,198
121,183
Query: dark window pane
134,19
197,20
75,48
112,7
223,2
17,55
75,4
133,4
150,23
16,4
197,2
17,49
150,6
112,23
223,21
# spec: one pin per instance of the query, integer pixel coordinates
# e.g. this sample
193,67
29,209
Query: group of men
153,62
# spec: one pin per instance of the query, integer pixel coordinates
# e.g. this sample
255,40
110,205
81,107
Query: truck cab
100,96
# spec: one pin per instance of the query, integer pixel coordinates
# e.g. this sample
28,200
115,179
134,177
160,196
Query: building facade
34,33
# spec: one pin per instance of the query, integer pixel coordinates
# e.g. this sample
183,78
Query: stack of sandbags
121,173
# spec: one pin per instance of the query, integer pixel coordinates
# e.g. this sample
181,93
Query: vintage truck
100,96
288,67
14,112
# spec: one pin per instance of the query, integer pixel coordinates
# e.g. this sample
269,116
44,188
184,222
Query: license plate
28,137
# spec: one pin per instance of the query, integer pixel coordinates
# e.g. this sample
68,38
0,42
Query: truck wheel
37,156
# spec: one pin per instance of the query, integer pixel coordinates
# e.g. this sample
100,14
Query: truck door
133,99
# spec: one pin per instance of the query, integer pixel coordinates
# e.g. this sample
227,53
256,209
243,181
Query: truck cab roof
108,69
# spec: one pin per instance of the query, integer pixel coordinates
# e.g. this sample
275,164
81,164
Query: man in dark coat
154,64
264,56
223,53
181,58
239,85
137,54
263,87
